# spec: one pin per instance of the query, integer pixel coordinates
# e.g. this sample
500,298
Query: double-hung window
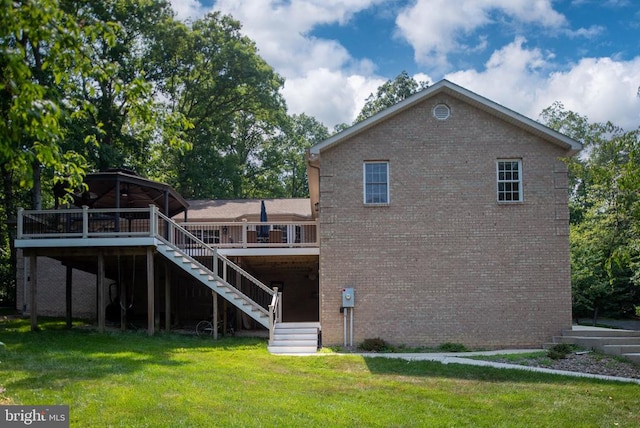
509,176
376,182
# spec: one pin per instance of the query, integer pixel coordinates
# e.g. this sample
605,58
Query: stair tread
601,337
623,345
286,343
296,330
308,324
277,336
293,350
602,332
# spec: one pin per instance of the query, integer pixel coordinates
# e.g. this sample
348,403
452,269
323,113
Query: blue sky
524,54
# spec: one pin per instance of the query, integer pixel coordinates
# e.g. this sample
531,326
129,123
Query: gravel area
589,362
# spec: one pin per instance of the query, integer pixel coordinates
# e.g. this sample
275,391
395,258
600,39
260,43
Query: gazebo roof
125,189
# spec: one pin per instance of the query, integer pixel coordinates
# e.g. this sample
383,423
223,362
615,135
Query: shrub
375,345
452,347
560,351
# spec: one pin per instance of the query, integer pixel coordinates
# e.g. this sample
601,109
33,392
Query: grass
170,380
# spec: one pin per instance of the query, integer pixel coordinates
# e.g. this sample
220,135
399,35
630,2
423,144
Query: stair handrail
275,312
174,228
224,259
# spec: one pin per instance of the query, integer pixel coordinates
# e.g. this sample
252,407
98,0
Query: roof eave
571,146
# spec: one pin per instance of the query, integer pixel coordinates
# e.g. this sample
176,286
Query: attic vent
441,112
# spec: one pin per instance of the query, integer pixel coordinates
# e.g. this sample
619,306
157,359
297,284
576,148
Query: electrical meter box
348,298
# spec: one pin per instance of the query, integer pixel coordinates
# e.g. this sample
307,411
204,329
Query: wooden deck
94,236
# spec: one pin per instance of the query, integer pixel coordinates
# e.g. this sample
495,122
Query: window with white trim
376,182
509,176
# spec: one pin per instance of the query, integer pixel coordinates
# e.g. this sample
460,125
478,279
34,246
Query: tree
605,214
41,55
73,93
389,93
286,162
231,96
124,120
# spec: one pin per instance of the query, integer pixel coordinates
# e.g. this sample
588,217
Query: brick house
448,216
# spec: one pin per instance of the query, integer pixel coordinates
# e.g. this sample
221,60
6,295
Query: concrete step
625,343
295,338
621,349
287,342
601,332
279,330
310,324
292,349
633,356
283,336
597,342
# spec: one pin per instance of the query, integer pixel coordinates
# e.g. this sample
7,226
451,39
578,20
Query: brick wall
52,289
444,262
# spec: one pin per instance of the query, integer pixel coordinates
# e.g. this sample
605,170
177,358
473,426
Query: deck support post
33,266
214,324
151,318
68,295
167,297
122,293
101,297
225,327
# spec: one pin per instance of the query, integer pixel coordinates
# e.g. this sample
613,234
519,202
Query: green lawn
170,380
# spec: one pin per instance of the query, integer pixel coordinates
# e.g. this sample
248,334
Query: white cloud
328,95
281,31
187,9
602,89
322,79
325,81
589,33
434,28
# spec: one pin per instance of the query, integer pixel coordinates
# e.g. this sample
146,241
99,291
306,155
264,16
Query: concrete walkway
462,358
624,324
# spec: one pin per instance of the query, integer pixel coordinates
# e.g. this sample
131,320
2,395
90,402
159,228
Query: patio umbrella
263,231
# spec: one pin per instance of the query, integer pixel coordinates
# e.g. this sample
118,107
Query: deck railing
129,222
84,223
146,222
247,234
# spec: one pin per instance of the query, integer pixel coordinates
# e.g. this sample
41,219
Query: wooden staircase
625,343
215,283
295,338
248,294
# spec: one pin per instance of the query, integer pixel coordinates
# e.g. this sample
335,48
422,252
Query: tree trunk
595,316
9,212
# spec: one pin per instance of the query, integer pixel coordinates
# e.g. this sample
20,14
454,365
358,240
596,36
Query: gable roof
482,103
126,189
249,209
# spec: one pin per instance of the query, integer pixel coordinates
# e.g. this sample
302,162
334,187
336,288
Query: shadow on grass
56,355
399,367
